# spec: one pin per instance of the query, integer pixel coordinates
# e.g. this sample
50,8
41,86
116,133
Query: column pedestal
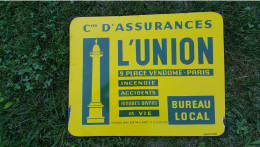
95,113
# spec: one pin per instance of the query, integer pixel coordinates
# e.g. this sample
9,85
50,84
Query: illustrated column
95,107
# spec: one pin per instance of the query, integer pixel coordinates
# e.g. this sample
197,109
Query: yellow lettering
188,104
200,105
176,116
191,116
184,116
199,116
207,105
181,104
131,113
207,72
194,104
121,73
174,104
206,116
122,93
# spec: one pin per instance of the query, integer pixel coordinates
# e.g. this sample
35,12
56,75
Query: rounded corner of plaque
73,132
74,21
221,132
218,15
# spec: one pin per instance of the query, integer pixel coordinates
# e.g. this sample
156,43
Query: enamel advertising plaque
147,75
